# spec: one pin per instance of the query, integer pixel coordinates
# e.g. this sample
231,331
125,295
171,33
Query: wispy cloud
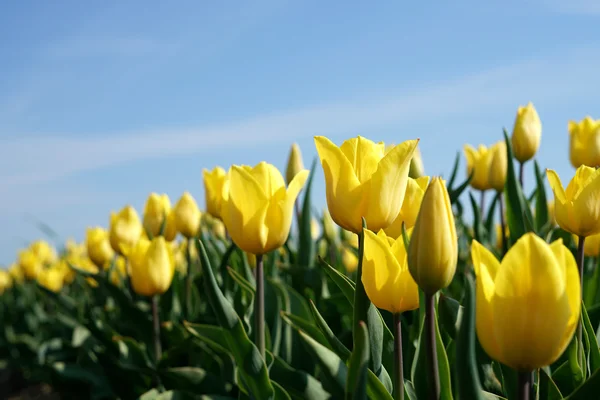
576,7
109,46
45,157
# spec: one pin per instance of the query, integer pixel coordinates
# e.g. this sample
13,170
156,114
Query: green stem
503,225
187,301
431,347
521,173
525,380
259,306
580,261
399,369
361,306
482,205
156,330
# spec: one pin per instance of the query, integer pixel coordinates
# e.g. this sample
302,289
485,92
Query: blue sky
101,104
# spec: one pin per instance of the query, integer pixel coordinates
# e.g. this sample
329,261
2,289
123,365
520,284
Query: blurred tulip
385,274
257,208
498,166
295,164
251,258
499,235
577,209
152,267
75,249
415,190
213,190
528,305
478,163
361,180
119,271
433,250
51,279
157,212
315,229
322,247
591,246
5,280
329,227
125,229
98,246
584,142
16,273
44,252
527,133
187,216
29,263
551,215
349,259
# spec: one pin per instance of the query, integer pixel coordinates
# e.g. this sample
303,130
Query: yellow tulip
499,235
415,190
322,247
119,271
98,246
125,229
44,252
528,305
416,165
577,209
433,250
361,180
5,280
478,163
349,259
218,229
295,164
584,142
251,258
75,249
498,166
213,190
68,272
329,227
551,215
156,210
51,278
527,133
591,246
257,207
29,263
385,274
152,266
187,216
16,273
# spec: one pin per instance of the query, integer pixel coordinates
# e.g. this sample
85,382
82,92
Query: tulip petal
364,155
587,205
380,270
556,186
387,187
269,179
343,189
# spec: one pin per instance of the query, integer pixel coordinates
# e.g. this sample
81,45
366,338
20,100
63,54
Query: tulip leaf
454,171
451,313
280,393
454,194
300,324
491,213
193,379
334,343
342,282
251,366
244,284
517,207
306,246
356,385
592,342
281,332
547,388
588,390
541,202
297,383
469,386
477,226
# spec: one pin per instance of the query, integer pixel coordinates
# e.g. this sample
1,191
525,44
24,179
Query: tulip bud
156,213
349,259
5,280
498,166
98,246
16,273
51,278
478,164
125,229
187,216
152,266
433,250
295,163
416,165
213,190
29,263
527,133
43,251
415,190
584,142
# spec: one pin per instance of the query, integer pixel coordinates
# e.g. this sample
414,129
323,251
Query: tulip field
405,287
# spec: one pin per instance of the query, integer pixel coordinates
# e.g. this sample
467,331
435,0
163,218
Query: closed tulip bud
213,190
584,142
329,227
498,166
157,212
528,305
98,247
527,133
257,208
51,278
5,280
349,259
416,165
44,252
295,164
415,190
218,229
187,216
433,250
478,163
152,266
29,263
125,229
577,209
385,275
16,273
361,180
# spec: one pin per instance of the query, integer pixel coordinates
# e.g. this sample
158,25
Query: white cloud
574,7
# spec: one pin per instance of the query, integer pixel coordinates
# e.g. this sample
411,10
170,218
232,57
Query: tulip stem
399,368
298,214
259,306
525,380
503,225
431,347
580,259
482,205
521,173
188,282
156,331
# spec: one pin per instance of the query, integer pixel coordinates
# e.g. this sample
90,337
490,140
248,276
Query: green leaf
491,214
193,379
356,385
301,324
548,389
334,343
592,348
517,208
454,171
477,225
244,284
343,282
469,386
280,393
251,366
589,389
451,313
541,202
296,382
214,336
306,247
